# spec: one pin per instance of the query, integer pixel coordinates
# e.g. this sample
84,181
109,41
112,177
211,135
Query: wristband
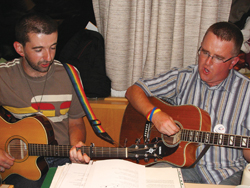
152,112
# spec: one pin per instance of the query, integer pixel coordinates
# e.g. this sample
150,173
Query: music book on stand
115,173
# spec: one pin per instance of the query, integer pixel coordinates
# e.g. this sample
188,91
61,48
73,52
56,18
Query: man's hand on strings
164,123
6,161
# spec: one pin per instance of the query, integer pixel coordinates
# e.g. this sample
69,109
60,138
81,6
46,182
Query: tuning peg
137,141
146,157
147,141
156,139
137,160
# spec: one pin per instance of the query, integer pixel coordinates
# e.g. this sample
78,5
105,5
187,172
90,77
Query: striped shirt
227,104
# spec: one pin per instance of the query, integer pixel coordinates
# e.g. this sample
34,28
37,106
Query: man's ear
19,48
234,62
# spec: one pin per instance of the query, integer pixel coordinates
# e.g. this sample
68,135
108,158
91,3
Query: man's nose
209,59
48,55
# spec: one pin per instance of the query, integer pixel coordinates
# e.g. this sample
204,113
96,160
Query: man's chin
44,70
205,77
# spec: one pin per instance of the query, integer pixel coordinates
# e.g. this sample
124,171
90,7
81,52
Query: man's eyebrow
222,57
215,55
36,47
204,50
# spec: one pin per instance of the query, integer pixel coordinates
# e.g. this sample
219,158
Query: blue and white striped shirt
227,104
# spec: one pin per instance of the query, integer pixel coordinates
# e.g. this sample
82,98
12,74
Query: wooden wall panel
110,112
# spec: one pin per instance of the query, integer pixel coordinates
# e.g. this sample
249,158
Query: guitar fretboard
63,151
215,138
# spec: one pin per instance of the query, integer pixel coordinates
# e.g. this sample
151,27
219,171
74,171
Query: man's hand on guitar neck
77,136
6,161
76,156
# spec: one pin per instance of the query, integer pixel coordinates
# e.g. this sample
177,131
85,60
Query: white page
56,177
74,176
163,177
116,173
86,174
59,174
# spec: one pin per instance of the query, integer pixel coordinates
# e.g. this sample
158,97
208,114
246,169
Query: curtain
144,38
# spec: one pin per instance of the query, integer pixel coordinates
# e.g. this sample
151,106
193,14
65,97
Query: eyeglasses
216,59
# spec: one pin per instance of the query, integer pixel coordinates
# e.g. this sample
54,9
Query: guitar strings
44,147
185,134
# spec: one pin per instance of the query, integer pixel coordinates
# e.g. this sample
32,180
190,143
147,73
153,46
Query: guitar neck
63,151
211,138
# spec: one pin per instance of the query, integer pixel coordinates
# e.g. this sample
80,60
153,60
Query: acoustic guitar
31,139
195,125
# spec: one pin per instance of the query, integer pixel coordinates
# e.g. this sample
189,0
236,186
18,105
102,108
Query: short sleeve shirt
52,95
227,104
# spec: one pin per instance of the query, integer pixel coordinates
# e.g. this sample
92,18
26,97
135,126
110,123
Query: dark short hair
34,23
228,32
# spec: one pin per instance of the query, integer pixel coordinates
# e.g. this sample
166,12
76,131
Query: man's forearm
139,100
77,131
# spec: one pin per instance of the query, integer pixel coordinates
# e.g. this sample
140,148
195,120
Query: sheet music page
164,177
60,173
86,174
72,176
116,173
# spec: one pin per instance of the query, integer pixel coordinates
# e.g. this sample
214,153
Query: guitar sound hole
17,148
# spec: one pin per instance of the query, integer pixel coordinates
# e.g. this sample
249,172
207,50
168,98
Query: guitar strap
200,156
94,122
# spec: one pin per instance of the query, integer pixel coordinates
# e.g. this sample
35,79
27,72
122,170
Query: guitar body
33,136
182,154
14,140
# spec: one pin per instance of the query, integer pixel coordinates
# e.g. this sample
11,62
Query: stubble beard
37,67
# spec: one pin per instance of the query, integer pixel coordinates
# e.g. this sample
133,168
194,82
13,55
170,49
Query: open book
115,173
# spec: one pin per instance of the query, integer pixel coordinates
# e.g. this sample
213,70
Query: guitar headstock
147,151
